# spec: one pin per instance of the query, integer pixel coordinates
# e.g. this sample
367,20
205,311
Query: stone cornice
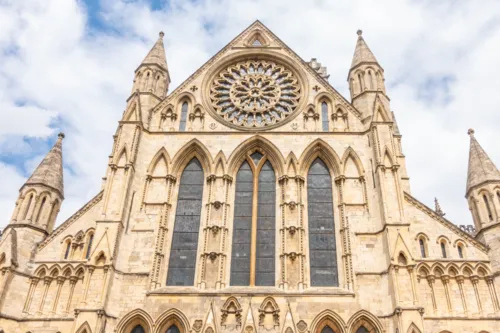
445,222
72,219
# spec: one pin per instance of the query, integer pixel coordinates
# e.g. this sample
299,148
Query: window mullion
253,245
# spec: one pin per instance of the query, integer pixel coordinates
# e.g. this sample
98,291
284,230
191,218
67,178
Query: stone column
29,298
46,280
413,284
475,280
60,282
493,294
72,283
446,279
87,283
430,280
460,282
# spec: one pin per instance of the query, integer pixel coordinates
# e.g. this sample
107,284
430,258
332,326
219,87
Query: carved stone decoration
269,314
255,94
209,330
289,330
302,326
198,324
248,329
231,314
217,204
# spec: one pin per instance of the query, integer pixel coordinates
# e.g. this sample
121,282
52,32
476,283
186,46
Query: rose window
255,93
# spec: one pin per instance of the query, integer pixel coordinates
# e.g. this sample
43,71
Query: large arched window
322,246
184,111
324,117
138,329
182,262
253,250
488,209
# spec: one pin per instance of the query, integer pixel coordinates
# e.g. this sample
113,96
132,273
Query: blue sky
68,66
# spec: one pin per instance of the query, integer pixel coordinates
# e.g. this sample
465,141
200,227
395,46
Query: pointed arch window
89,246
498,196
327,329
443,249
487,204
460,251
40,210
322,245
182,262
184,111
138,329
421,243
253,250
370,80
68,247
324,116
173,329
28,206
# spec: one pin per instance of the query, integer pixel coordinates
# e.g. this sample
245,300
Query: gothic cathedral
253,198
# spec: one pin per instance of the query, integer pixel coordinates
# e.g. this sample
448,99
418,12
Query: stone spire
156,55
50,171
362,53
481,167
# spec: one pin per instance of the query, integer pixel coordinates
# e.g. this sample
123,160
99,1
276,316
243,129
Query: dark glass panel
443,250
266,227
362,329
256,157
66,254
242,227
422,247
486,202
327,329
182,262
322,246
184,110
173,329
324,116
460,251
89,246
138,329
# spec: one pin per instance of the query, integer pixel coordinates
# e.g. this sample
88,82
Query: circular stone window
255,93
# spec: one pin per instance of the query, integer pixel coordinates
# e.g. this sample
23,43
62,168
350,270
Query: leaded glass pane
324,116
322,246
138,329
184,110
173,329
266,226
362,329
242,227
327,329
182,262
256,157
443,250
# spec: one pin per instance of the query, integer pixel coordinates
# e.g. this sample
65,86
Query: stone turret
483,196
366,78
41,196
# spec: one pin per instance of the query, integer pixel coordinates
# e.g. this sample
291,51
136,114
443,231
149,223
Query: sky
68,66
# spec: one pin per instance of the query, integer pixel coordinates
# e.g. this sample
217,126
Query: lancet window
362,329
138,329
40,210
253,250
443,249
184,111
89,246
182,262
421,243
173,329
324,116
322,246
488,208
460,251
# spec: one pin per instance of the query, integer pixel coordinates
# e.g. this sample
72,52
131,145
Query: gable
256,43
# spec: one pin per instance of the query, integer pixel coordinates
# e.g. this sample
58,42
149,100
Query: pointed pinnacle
481,168
438,209
362,53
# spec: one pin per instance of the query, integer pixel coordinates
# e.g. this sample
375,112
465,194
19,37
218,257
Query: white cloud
63,72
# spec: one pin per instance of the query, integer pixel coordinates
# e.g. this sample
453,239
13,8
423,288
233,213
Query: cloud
65,68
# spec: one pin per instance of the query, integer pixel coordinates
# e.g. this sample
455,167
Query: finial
359,32
438,209
471,132
61,135
161,34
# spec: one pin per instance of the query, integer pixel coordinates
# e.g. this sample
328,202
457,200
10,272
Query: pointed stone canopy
481,167
156,55
50,171
362,53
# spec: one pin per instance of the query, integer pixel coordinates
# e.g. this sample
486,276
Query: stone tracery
255,93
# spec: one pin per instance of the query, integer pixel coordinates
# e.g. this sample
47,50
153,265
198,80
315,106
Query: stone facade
392,264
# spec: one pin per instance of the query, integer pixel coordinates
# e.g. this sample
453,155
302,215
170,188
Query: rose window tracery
255,93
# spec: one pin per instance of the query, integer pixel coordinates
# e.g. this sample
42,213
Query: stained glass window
89,246
324,116
327,329
422,248
184,110
254,233
66,253
460,252
362,329
173,329
182,262
443,249
322,246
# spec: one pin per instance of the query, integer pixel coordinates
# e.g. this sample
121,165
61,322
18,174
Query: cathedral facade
253,198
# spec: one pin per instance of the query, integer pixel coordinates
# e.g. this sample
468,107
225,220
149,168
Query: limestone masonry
253,198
